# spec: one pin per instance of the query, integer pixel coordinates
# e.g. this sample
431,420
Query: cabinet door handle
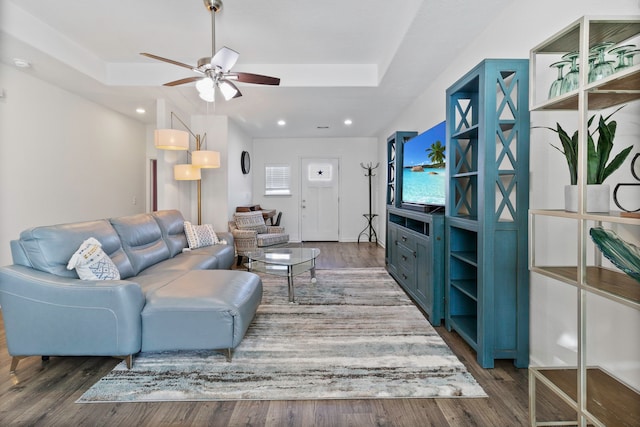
415,254
404,276
404,238
404,258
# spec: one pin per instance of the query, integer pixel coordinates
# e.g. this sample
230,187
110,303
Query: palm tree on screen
436,153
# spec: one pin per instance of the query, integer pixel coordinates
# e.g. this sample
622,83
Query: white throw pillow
92,263
199,236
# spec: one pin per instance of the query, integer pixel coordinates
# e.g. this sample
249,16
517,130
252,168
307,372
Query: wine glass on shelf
591,63
556,86
571,80
628,57
602,67
620,53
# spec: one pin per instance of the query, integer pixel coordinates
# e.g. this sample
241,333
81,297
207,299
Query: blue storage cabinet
486,263
415,250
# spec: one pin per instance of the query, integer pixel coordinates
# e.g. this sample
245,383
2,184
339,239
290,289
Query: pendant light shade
171,139
186,172
205,159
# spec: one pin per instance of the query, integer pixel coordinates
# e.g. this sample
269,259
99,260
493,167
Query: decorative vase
597,198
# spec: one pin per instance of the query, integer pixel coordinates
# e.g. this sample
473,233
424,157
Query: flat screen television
423,170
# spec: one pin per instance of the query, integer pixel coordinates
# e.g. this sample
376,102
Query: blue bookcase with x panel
486,270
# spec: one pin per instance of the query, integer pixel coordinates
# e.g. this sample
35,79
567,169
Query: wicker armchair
250,233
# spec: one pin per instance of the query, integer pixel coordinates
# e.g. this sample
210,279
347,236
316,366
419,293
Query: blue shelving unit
486,270
395,152
415,240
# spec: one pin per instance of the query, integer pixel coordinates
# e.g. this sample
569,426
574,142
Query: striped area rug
353,335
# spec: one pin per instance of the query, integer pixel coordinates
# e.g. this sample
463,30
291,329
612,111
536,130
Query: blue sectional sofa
167,298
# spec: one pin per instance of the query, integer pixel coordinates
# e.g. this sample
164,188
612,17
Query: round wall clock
245,162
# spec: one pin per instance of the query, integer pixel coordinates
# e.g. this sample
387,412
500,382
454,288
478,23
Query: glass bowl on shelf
624,255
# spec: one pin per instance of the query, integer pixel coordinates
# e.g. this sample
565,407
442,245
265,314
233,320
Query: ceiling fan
215,71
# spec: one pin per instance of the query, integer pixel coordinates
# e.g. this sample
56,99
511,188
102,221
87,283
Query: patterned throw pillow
92,263
199,236
250,221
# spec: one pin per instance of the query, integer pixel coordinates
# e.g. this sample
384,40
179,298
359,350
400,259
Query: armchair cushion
268,239
250,221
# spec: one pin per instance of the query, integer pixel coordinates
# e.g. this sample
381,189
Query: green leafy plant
598,166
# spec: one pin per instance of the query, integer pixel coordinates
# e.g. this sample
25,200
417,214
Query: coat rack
369,228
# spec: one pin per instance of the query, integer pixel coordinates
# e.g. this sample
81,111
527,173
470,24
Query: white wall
512,34
354,186
63,158
241,188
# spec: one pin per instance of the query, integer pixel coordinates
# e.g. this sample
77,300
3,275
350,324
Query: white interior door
319,199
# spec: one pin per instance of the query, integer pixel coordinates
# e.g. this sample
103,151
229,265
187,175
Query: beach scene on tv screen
424,163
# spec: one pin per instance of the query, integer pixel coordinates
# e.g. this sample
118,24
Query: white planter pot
597,198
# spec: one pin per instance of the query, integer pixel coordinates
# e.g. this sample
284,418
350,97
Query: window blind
277,180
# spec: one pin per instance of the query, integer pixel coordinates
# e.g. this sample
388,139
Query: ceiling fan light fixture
204,85
216,68
228,91
209,95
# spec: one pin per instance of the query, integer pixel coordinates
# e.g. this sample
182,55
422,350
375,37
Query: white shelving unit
597,396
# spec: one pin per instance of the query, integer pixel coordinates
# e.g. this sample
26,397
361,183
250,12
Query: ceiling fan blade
224,59
257,79
228,89
183,81
170,61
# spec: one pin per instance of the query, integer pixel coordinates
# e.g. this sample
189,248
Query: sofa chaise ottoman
168,296
203,309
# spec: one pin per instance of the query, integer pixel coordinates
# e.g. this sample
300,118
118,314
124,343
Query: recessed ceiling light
348,122
140,110
21,63
281,123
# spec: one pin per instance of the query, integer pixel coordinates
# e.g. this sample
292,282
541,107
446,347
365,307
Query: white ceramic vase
597,198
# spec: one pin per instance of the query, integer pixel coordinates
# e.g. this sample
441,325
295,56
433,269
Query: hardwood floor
43,393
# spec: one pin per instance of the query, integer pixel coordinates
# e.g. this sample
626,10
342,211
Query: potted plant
598,166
